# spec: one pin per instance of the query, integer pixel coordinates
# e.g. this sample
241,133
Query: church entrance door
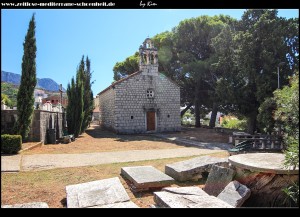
150,121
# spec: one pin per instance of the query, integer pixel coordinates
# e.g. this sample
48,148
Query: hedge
11,144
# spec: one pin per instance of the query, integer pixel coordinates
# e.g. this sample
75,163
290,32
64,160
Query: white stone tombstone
59,107
55,109
47,106
3,106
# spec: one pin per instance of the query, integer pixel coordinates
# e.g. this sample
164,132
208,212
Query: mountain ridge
44,83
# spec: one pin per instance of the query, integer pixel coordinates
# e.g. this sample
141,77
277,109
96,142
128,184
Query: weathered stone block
187,197
146,177
128,204
101,192
192,169
27,205
235,194
218,178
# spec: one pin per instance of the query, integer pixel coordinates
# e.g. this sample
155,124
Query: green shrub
188,119
11,144
234,124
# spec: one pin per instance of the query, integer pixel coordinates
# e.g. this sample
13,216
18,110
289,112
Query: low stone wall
8,118
226,130
41,122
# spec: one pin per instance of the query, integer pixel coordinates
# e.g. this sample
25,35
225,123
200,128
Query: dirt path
96,139
52,161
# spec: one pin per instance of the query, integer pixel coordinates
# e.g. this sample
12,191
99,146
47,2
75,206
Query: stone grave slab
101,192
128,204
187,197
192,169
235,194
27,205
144,178
218,178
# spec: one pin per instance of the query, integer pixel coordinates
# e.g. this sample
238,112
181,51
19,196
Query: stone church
145,101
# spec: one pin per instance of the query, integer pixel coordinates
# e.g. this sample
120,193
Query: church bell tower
148,58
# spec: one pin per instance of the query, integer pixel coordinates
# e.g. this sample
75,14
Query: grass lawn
49,185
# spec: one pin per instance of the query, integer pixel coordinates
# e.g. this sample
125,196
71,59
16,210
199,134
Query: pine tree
25,97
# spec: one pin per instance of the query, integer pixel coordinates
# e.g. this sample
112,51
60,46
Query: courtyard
48,185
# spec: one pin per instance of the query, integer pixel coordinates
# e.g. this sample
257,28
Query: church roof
130,76
119,81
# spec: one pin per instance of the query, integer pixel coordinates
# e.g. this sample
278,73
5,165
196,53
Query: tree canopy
227,65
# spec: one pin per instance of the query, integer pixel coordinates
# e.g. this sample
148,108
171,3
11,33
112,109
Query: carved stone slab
192,169
101,192
146,177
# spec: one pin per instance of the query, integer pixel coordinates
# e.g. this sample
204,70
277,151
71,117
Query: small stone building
145,101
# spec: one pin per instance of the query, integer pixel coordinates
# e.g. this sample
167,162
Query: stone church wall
107,109
132,104
125,105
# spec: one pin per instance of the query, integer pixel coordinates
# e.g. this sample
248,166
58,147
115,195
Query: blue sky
106,36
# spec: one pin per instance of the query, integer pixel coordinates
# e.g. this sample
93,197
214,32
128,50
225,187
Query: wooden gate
150,121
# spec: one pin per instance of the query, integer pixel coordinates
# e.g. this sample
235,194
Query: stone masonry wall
132,103
41,122
49,120
107,109
168,100
8,118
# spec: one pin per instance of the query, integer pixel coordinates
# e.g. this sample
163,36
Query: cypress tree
25,97
75,113
80,97
88,104
79,112
70,108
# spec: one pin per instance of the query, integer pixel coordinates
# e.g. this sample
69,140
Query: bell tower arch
148,58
